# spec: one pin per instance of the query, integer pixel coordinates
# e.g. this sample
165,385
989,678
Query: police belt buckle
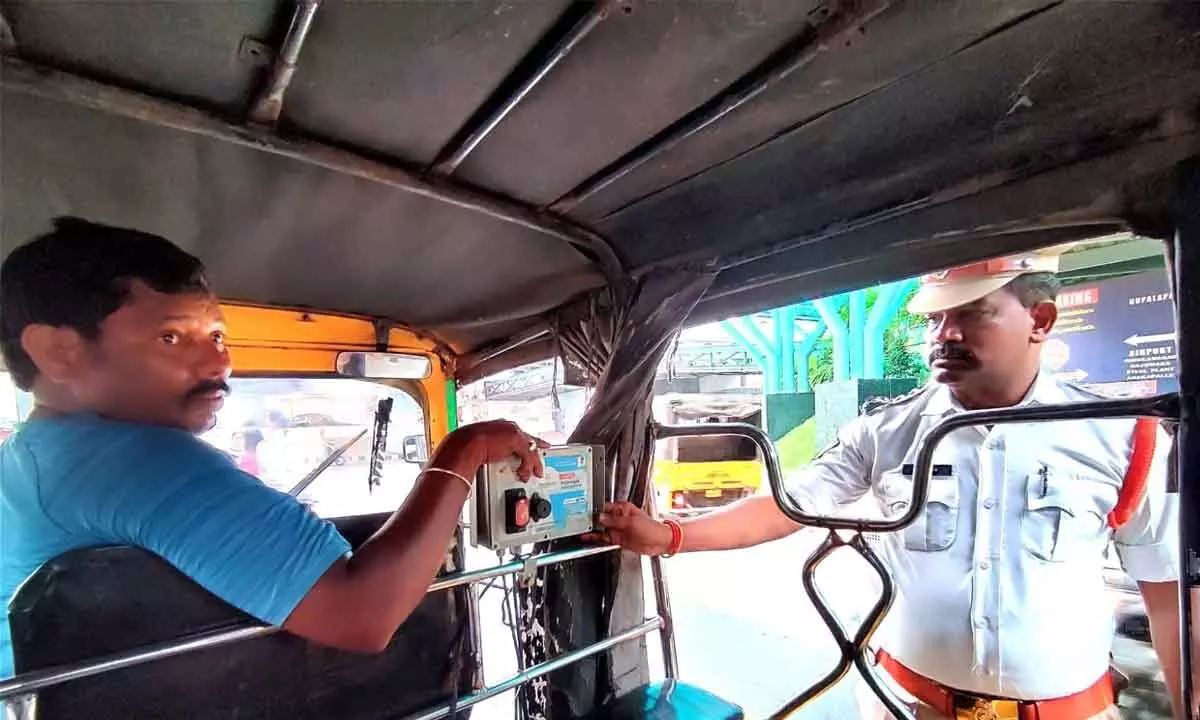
970,708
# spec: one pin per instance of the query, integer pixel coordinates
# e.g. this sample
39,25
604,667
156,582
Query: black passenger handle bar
854,651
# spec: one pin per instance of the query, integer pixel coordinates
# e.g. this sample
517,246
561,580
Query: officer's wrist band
676,538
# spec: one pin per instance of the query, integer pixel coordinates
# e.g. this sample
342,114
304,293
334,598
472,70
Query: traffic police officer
1000,609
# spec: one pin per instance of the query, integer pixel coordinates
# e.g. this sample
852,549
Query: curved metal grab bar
1164,406
1156,406
855,652
1161,406
39,679
786,504
748,431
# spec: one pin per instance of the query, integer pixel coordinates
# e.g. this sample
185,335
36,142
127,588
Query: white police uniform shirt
999,582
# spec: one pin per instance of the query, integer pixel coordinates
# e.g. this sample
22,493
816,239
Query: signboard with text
1116,337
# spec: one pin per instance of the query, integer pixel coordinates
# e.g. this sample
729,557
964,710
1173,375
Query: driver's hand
498,440
629,526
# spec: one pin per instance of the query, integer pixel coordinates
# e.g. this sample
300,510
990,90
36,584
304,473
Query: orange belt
956,704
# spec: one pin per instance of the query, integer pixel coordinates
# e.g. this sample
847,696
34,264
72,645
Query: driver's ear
56,352
1044,315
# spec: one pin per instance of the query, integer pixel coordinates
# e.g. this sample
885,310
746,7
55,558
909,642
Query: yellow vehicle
696,472
412,196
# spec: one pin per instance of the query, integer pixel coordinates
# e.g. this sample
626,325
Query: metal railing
1159,406
645,628
854,651
28,683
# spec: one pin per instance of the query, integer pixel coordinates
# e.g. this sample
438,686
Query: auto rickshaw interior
486,184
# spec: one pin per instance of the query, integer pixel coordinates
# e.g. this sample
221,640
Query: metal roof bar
505,101
823,29
24,77
40,679
269,103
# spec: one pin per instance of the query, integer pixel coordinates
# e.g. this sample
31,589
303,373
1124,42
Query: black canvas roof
466,167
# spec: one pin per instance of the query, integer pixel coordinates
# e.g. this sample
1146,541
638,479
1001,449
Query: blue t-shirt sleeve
258,549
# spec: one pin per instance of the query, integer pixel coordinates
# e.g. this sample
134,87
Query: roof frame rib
59,86
528,74
268,105
823,29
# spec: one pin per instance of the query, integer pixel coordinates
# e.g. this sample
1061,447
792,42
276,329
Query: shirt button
981,623
984,565
989,503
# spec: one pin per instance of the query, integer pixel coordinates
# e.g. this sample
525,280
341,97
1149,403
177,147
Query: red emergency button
516,510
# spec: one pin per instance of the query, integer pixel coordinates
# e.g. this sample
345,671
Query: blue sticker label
564,505
565,463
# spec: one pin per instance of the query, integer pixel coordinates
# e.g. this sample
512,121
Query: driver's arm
360,602
265,553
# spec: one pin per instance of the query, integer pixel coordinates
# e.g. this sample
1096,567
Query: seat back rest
92,603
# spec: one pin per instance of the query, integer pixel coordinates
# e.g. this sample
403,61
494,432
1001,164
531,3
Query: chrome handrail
49,677
645,628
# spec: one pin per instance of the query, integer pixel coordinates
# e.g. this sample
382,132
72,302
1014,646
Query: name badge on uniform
938,470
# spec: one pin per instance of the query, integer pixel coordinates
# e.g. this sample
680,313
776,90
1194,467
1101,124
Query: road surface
744,627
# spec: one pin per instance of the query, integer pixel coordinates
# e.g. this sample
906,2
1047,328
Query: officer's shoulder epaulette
876,404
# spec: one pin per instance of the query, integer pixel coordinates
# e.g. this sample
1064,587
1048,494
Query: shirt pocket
1062,519
935,529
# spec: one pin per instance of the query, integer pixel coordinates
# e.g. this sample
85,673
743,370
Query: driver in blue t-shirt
122,343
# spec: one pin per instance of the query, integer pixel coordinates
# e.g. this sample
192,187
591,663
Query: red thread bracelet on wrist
676,538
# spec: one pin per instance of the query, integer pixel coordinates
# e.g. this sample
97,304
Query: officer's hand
629,526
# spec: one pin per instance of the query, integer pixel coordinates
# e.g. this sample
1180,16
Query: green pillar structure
788,398
859,368
830,309
784,320
745,333
887,303
856,332
804,352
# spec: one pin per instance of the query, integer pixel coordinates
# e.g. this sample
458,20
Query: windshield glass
282,430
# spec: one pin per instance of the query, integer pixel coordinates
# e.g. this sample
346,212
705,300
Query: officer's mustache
207,387
952,351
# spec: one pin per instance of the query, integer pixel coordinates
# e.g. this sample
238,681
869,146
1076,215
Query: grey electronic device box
507,513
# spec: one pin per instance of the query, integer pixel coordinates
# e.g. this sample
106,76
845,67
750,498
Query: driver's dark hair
1035,287
76,276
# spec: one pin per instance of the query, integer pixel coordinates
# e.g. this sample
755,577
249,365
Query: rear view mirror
415,449
383,365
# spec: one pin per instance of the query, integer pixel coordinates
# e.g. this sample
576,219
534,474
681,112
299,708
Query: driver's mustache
951,351
206,388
